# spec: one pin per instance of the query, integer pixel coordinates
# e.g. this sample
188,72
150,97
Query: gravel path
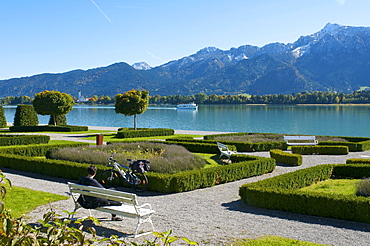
214,215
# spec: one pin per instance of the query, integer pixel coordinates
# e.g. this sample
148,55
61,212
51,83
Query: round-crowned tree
25,115
132,103
53,103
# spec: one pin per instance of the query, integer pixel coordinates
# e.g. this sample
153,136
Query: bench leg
140,221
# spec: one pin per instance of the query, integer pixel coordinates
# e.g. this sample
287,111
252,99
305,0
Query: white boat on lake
187,106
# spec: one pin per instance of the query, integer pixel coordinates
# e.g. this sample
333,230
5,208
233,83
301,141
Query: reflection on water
334,120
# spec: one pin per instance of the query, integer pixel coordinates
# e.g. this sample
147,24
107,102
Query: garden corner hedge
282,193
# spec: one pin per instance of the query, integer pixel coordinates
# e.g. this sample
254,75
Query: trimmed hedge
320,149
240,146
358,161
48,128
286,158
36,149
282,193
7,140
243,166
143,132
25,115
3,122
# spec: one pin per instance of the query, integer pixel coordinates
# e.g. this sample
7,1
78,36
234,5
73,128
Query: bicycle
134,174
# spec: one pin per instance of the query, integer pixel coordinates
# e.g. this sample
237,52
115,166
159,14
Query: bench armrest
145,205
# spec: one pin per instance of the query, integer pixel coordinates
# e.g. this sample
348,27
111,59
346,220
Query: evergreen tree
25,115
2,117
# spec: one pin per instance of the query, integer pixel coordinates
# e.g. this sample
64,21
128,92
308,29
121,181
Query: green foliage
358,161
58,120
3,122
132,103
25,115
67,128
143,132
282,193
320,149
36,149
163,158
53,103
286,158
363,188
7,140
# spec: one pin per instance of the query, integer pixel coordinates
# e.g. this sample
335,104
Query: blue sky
50,36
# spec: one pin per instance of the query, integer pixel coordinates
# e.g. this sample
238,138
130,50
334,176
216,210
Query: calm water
316,120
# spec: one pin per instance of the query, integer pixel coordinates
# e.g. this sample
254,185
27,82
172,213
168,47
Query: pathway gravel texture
214,215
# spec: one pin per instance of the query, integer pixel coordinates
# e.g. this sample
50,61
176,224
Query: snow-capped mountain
141,66
336,58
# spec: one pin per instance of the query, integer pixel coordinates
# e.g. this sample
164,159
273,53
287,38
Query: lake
333,120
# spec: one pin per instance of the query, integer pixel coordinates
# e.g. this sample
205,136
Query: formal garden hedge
7,140
242,166
282,193
358,161
320,150
353,143
48,128
240,146
143,132
286,158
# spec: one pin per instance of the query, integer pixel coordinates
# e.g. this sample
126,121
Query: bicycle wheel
138,181
110,178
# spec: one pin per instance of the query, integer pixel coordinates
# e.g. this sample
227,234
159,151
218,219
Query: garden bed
283,193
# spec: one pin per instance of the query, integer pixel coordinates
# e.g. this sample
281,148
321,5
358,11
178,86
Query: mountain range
336,58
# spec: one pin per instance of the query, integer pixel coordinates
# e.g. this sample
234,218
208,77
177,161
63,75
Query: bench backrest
222,146
312,138
113,195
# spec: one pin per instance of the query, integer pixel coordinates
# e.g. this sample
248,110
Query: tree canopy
53,103
132,103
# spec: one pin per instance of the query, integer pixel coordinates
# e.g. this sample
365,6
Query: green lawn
22,200
334,186
273,241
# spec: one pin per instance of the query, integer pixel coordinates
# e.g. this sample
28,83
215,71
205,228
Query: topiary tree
132,103
2,117
60,120
53,103
25,115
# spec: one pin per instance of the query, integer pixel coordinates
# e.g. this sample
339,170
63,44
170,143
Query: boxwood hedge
7,140
282,193
286,158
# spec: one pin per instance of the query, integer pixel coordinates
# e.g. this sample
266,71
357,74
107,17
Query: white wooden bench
224,150
300,140
129,207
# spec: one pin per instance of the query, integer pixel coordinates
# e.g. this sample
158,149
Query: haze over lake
333,120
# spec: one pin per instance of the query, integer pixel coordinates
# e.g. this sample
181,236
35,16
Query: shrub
25,115
321,150
163,158
358,161
363,188
143,132
7,140
286,158
48,128
3,122
282,193
58,120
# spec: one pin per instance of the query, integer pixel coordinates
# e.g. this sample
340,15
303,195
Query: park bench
224,150
129,207
300,140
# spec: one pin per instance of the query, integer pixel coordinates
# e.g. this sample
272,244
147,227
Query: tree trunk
55,121
134,121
